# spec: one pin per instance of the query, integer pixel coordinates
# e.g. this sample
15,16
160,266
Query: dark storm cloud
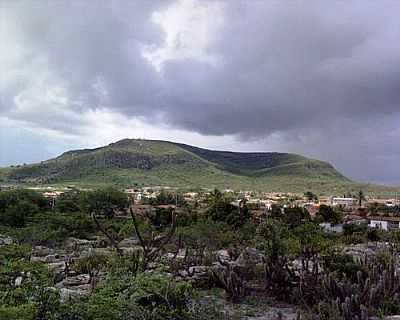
302,70
289,65
78,44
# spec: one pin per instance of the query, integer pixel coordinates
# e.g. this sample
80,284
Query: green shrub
211,234
19,312
146,296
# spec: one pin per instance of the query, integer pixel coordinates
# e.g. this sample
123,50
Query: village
359,209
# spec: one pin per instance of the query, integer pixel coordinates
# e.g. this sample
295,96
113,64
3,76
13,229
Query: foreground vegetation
162,264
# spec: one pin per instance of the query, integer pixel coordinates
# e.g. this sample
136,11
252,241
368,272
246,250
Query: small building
384,223
355,219
324,200
52,194
190,196
344,202
331,228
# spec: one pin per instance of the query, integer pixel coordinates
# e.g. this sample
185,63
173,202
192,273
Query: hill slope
150,162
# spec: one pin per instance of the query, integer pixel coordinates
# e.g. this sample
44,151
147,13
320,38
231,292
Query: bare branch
113,242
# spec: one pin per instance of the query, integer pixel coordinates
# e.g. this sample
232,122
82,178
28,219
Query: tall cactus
355,299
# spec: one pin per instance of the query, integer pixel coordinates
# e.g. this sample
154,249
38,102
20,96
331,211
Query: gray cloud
324,78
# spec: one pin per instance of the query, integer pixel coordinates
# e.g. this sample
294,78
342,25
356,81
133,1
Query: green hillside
160,163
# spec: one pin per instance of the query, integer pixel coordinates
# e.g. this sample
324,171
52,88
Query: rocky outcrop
5,240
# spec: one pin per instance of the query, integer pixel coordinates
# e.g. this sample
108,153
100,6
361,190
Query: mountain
132,162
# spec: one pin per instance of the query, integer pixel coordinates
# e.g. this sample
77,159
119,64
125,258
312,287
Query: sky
317,78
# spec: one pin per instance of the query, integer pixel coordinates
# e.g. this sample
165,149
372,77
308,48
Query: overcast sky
319,78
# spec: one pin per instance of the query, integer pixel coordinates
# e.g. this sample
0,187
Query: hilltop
137,162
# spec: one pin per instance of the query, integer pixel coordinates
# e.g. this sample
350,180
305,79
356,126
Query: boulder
129,243
75,244
51,258
18,281
5,240
67,294
223,255
74,281
42,251
57,267
250,256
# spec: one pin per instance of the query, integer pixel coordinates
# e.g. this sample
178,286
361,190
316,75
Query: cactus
231,282
355,299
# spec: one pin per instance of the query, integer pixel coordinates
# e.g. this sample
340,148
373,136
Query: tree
153,247
15,215
274,235
276,212
310,196
295,216
360,198
68,202
221,208
13,197
105,202
17,205
328,214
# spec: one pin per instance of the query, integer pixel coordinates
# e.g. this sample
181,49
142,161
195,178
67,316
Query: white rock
18,281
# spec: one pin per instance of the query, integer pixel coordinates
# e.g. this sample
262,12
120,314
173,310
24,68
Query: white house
331,228
345,202
384,223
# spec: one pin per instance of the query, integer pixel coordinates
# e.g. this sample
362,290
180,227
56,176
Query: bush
52,228
343,265
68,202
24,292
20,312
16,206
213,235
328,214
16,215
152,296
104,202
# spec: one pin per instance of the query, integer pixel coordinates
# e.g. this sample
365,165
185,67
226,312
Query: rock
129,250
223,255
51,258
129,243
183,274
365,249
67,294
199,274
5,240
172,255
103,251
76,244
79,280
250,256
96,251
198,269
18,281
275,314
57,267
42,251
37,259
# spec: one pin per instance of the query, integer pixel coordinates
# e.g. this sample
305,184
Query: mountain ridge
147,162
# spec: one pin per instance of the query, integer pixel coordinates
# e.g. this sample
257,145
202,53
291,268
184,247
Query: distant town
375,212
